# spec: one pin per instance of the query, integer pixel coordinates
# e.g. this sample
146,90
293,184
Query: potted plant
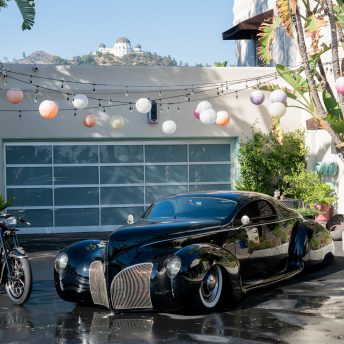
3,204
316,197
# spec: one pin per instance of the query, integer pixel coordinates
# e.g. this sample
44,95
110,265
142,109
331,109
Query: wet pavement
307,309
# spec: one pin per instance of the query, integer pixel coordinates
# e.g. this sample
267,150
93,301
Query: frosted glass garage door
88,186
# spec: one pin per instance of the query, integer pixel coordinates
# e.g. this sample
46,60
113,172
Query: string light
74,112
160,93
20,115
99,104
36,95
126,91
94,88
130,108
61,83
110,102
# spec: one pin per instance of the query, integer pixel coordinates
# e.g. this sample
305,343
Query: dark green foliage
264,161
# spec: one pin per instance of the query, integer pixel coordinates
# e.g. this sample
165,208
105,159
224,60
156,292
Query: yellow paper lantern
15,96
116,122
48,109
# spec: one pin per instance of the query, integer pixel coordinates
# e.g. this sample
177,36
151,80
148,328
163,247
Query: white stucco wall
245,117
284,49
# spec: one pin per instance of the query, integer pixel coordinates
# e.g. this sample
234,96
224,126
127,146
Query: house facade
66,176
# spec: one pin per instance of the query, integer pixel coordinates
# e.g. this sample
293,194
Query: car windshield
190,207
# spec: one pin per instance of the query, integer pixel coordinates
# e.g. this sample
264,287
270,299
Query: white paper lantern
143,105
80,101
277,109
169,127
208,116
116,122
204,105
257,97
278,96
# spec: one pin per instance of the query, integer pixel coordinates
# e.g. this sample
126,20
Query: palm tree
27,10
298,19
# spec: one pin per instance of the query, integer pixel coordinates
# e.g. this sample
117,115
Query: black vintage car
192,249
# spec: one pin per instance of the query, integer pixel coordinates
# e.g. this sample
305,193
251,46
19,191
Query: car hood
144,232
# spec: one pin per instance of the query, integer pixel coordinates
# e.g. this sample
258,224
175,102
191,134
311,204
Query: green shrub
264,161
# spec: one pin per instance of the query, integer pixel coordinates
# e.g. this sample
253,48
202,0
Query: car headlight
173,266
61,261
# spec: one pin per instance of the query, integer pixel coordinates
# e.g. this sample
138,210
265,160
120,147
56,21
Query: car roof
234,195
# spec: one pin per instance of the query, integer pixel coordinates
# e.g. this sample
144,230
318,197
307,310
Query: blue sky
188,30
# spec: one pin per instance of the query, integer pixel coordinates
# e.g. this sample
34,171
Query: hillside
141,58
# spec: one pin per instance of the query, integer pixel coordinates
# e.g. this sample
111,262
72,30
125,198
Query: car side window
257,211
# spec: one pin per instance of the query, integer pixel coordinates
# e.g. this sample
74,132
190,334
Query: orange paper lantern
48,109
222,118
15,96
90,120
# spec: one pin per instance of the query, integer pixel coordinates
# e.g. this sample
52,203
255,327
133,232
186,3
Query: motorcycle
15,269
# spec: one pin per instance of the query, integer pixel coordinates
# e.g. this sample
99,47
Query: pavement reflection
307,309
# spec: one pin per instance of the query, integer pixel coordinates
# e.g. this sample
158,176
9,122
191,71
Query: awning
247,28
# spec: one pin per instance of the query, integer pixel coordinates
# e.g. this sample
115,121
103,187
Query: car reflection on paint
192,250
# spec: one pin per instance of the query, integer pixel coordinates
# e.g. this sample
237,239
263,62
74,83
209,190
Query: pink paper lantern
339,85
90,120
48,109
15,96
196,113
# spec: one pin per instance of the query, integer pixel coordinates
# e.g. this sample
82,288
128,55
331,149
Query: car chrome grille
98,284
130,288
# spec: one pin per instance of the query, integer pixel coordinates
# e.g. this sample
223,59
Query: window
257,211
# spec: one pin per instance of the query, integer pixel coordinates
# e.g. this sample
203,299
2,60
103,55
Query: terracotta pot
326,212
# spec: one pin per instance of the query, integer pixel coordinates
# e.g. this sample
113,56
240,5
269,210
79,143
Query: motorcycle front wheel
19,287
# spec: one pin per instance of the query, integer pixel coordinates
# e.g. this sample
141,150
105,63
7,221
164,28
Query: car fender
198,258
298,245
72,284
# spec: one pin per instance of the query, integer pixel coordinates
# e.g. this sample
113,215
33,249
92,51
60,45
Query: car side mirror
130,219
245,220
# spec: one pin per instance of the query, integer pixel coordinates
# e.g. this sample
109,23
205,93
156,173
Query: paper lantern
15,96
196,114
169,127
277,109
257,97
222,118
204,105
90,120
116,122
339,85
48,109
278,96
208,116
143,105
80,101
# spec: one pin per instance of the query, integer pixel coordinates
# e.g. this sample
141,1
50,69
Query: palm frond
28,12
284,12
265,38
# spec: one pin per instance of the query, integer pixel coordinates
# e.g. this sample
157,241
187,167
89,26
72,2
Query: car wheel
211,288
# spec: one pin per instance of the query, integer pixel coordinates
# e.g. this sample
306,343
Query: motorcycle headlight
10,222
173,266
61,261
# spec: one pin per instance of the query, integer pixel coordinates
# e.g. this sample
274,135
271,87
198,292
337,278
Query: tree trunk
321,113
334,47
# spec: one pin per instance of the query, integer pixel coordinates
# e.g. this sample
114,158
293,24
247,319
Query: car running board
248,286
